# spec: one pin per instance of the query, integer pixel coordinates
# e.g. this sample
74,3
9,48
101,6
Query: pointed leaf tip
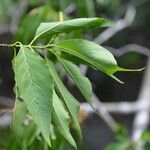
115,78
130,70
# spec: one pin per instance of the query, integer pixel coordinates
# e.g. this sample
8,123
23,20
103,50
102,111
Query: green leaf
35,86
82,82
122,132
71,103
56,138
93,55
19,114
12,144
61,118
55,28
23,128
146,136
119,146
24,133
87,6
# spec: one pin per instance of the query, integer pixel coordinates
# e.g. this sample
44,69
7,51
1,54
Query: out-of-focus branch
118,107
103,113
120,25
5,120
125,107
6,102
142,117
15,13
129,48
4,28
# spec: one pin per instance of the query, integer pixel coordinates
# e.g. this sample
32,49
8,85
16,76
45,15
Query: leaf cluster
44,107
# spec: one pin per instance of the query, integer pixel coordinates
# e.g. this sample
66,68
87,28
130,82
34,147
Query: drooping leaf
55,28
25,133
61,118
71,103
35,86
93,55
82,82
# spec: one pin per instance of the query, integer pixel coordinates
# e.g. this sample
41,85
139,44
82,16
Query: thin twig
5,120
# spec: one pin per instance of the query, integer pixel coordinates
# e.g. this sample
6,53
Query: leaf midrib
32,83
61,121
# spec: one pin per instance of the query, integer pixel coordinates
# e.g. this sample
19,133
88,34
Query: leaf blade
61,119
96,55
35,86
82,82
56,28
91,54
71,103
24,132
